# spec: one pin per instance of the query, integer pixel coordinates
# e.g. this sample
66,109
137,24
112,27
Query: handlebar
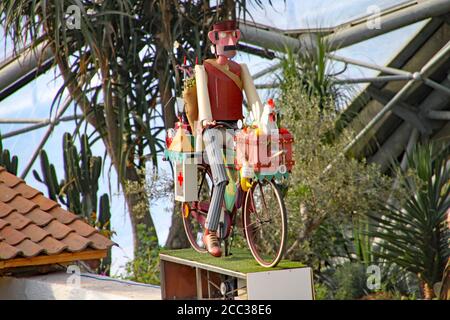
224,124
220,124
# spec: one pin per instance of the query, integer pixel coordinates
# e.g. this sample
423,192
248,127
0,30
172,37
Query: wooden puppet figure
220,85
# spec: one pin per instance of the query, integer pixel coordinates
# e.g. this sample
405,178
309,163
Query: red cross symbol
180,178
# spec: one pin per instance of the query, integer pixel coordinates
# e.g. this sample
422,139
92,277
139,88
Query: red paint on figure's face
225,42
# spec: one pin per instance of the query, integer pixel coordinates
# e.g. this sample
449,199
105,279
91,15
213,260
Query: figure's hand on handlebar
208,124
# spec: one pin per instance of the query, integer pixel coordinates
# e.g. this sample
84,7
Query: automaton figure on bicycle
225,81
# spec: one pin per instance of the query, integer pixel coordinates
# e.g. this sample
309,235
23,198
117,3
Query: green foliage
145,265
104,225
362,241
328,204
415,235
382,295
320,194
6,161
350,281
321,291
316,75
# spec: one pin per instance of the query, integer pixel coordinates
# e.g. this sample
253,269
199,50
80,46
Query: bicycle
264,216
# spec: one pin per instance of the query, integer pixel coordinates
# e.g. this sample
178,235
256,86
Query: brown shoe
212,243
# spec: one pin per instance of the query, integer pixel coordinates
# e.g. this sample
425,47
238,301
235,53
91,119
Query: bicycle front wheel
265,223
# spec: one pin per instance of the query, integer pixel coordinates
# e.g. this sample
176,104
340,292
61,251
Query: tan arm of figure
204,105
253,100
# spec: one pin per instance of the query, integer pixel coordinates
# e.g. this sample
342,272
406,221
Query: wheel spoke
201,185
262,196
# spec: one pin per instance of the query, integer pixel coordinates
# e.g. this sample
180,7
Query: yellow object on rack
245,184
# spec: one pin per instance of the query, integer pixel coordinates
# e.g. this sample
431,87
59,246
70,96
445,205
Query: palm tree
415,236
119,69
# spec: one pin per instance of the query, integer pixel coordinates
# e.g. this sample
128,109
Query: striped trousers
213,141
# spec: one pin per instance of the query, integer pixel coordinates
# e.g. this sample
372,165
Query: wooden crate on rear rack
266,153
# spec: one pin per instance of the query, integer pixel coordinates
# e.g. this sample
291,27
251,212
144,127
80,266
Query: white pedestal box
291,284
189,279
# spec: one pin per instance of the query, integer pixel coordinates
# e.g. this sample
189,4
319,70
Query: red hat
228,25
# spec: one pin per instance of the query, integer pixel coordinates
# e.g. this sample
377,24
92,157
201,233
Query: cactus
6,161
49,178
83,171
78,190
104,218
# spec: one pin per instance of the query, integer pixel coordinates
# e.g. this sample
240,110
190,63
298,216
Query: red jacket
225,95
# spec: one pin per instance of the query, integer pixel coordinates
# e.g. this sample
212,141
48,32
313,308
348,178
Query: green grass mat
241,260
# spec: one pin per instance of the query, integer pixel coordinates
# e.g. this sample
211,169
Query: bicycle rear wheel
265,223
194,213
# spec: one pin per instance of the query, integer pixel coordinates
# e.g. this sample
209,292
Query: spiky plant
317,74
7,161
415,236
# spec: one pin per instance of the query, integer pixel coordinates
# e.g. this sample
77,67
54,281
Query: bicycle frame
233,188
234,195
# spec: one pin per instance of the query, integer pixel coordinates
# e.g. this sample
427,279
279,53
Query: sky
34,100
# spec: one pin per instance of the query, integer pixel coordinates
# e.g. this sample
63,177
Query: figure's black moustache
229,48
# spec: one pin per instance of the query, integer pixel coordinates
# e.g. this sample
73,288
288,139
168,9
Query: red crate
259,152
287,142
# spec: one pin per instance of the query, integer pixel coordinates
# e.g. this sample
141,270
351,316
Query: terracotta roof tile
5,209
29,248
62,215
9,179
76,242
12,236
6,193
57,229
7,251
17,220
22,205
26,191
100,242
44,203
82,228
32,225
35,233
3,224
39,217
52,246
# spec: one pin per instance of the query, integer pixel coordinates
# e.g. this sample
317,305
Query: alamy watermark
74,280
374,277
73,17
374,20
